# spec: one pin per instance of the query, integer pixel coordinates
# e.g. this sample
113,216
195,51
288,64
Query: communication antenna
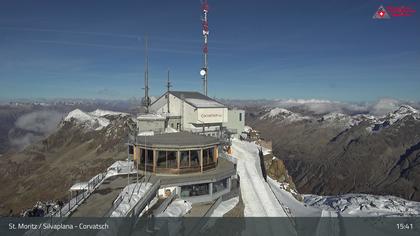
146,99
205,26
168,88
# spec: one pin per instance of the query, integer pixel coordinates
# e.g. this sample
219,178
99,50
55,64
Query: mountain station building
181,142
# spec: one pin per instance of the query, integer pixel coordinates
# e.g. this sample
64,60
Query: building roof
151,116
195,99
176,140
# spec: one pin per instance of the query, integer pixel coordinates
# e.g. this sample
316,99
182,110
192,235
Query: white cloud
34,126
378,108
385,105
39,121
322,106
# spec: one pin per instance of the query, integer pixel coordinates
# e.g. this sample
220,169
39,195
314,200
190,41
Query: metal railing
120,198
141,204
162,207
205,219
67,208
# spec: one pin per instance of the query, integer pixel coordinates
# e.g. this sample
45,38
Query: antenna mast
146,101
168,88
204,22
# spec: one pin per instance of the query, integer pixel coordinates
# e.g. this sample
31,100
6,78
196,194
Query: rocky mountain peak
95,120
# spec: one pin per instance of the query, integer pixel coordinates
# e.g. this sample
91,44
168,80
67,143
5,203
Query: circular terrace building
176,153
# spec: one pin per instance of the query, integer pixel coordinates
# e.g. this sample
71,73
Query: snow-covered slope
283,115
99,113
393,117
343,120
256,194
346,121
359,205
364,205
92,120
294,207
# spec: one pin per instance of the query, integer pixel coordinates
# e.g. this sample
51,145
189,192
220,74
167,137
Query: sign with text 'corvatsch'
212,115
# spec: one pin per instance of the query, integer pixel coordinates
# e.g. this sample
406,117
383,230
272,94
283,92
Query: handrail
135,210
165,204
206,217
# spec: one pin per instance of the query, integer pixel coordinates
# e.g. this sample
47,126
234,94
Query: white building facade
195,112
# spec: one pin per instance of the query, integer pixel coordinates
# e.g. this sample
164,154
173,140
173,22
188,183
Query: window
149,157
167,159
171,159
220,185
184,159
195,190
208,155
240,116
161,160
195,158
211,155
205,156
142,155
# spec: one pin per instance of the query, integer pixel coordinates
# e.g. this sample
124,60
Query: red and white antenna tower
205,25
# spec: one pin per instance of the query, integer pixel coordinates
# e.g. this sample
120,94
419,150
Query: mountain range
337,153
328,148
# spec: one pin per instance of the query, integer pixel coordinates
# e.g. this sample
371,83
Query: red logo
394,11
381,13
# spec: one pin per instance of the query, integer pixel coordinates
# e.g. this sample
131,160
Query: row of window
168,159
203,189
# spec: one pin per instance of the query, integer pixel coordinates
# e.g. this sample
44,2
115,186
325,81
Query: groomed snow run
257,196
293,207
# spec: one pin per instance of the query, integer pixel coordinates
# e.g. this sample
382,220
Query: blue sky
257,49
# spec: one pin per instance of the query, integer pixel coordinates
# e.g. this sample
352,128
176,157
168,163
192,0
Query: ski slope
257,196
295,207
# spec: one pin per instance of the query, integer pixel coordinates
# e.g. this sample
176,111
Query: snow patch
364,205
284,115
225,207
93,120
247,128
177,208
130,195
120,167
100,113
393,117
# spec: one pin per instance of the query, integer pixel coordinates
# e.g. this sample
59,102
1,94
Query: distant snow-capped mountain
344,120
339,152
96,120
284,115
393,117
364,205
